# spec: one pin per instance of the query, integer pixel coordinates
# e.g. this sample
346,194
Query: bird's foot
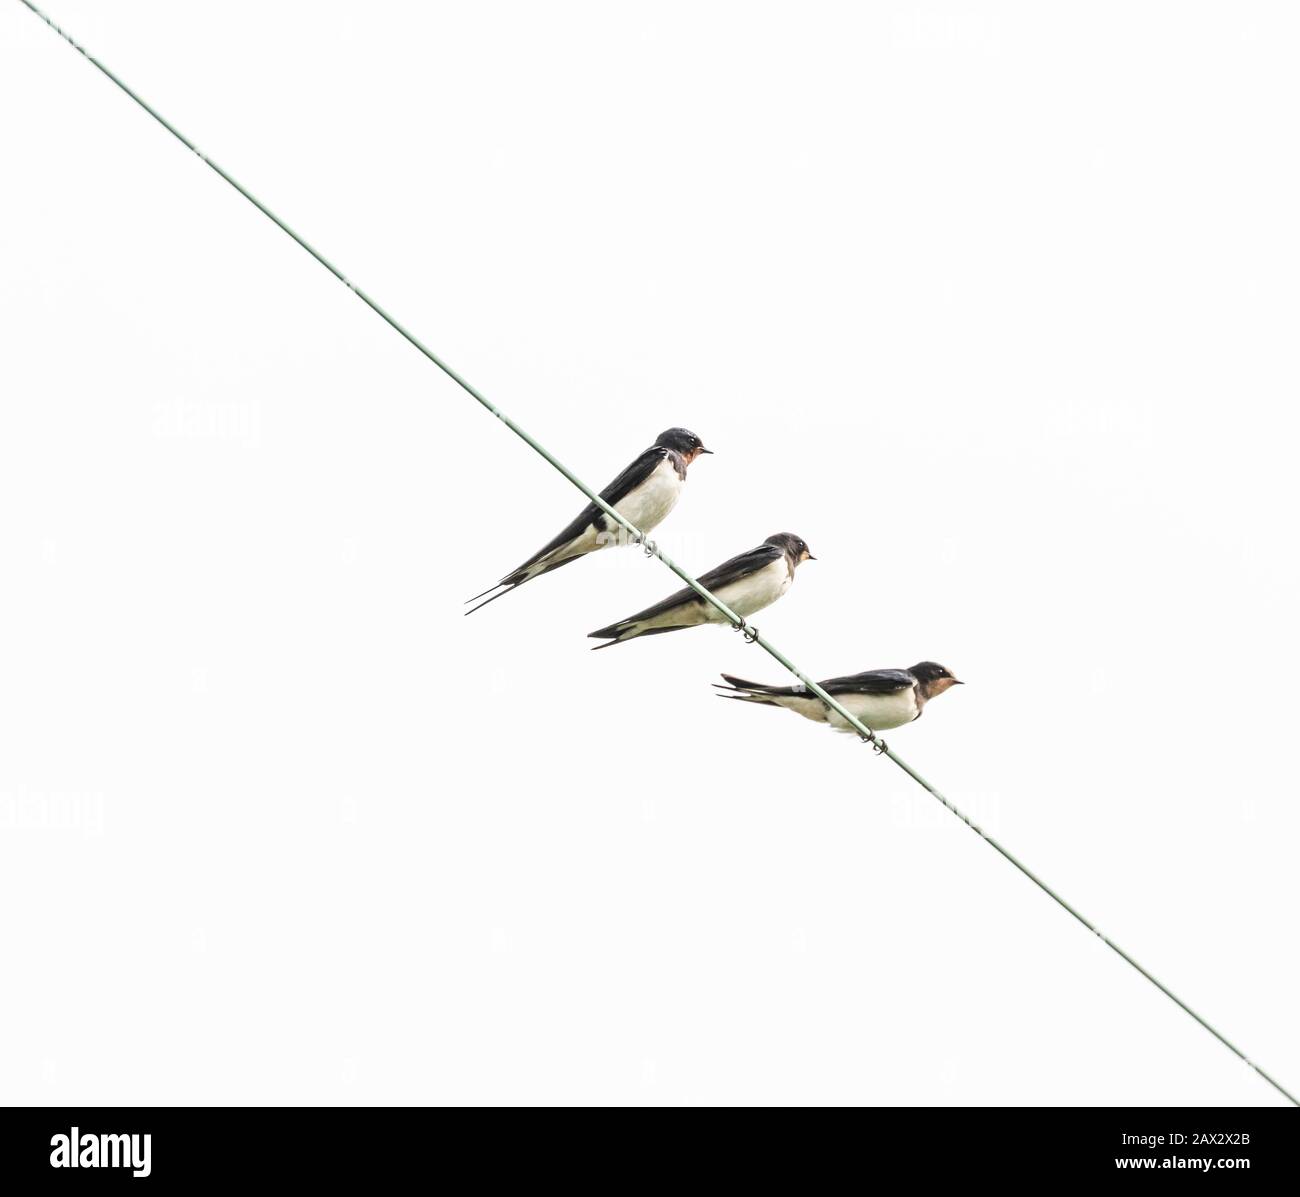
878,745
748,631
648,546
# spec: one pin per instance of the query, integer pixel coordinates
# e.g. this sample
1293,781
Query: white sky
994,304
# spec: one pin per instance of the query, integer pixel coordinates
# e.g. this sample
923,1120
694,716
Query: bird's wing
620,488
873,681
729,571
738,567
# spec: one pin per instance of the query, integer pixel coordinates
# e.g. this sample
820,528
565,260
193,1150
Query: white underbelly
644,508
648,505
744,597
760,589
879,712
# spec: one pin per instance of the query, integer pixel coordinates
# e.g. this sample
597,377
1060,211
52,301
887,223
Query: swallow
880,698
747,583
643,494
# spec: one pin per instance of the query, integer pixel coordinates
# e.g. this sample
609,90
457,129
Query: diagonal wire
638,537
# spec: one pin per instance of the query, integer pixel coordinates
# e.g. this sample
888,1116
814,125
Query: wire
751,634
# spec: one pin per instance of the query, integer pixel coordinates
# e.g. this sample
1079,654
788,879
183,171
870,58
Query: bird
879,698
746,583
643,494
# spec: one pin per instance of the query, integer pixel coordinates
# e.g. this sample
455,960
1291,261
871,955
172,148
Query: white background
994,304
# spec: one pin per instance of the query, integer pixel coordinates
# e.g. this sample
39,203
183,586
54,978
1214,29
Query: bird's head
933,678
792,546
682,441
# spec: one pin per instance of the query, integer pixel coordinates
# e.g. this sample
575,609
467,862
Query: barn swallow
879,698
747,583
643,494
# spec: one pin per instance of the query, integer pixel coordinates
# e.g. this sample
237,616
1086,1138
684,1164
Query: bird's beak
811,557
955,682
702,449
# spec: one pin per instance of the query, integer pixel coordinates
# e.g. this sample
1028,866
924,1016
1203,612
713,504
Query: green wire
650,547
